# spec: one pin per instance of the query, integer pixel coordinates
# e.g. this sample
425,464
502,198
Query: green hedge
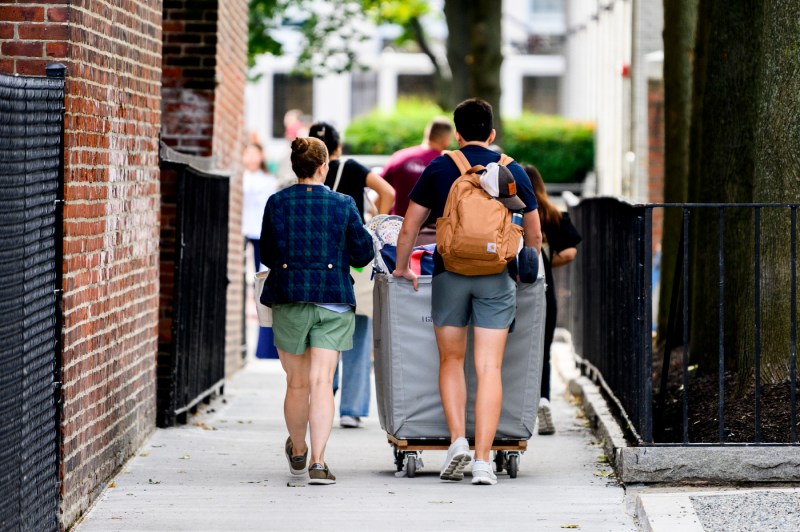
563,150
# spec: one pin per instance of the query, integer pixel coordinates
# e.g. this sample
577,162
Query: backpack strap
460,160
505,160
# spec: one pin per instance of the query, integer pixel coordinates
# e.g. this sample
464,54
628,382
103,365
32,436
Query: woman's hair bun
300,145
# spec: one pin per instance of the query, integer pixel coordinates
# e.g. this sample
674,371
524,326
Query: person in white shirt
257,186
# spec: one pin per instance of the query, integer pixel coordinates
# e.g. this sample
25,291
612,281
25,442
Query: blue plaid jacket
310,236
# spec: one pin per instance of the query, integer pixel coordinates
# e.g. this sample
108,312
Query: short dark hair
326,133
438,128
473,119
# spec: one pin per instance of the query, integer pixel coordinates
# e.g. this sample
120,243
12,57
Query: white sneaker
482,473
351,422
545,417
457,459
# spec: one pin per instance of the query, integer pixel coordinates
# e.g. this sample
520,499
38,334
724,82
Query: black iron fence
31,177
194,281
732,316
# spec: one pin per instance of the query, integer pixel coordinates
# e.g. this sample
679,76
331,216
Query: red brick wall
205,51
112,50
228,143
189,69
655,127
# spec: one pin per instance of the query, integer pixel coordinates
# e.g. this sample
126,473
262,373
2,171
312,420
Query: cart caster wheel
411,466
513,465
499,461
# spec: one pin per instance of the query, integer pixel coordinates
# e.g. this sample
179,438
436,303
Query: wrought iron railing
610,316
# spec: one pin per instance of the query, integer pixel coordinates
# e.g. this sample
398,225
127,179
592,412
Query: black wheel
513,465
499,461
411,465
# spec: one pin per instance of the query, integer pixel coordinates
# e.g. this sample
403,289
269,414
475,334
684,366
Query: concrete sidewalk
226,471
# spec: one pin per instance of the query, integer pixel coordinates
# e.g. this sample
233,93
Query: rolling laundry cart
407,374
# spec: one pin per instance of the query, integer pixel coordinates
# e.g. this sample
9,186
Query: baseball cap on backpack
499,183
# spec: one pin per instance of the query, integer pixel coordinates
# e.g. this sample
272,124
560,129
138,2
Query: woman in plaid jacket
310,236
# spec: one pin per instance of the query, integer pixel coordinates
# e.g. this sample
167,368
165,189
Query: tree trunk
680,28
474,51
441,77
722,162
777,163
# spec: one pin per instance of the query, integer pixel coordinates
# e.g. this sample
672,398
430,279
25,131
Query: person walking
310,237
257,186
488,302
351,178
404,167
559,249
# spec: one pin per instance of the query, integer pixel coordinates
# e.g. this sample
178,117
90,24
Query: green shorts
298,326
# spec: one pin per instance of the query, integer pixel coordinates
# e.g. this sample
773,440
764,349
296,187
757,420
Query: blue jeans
356,371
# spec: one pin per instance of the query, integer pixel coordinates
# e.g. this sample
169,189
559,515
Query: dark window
290,92
540,94
364,93
420,86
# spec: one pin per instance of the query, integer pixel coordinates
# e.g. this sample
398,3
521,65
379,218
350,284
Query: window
290,92
540,94
547,6
363,93
422,86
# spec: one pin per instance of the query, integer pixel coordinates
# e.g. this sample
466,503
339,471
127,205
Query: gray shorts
487,301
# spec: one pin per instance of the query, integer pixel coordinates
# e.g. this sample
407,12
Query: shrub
561,149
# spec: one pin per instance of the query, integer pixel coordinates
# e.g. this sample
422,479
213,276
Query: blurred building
532,70
613,71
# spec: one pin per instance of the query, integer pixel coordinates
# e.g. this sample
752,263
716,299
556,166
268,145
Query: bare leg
295,404
323,364
452,342
489,347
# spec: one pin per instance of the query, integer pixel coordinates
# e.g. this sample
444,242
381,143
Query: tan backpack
475,236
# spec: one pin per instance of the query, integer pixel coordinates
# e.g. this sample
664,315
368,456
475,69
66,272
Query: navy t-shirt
434,184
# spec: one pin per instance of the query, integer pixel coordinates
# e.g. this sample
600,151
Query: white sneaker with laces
350,422
482,473
545,417
457,460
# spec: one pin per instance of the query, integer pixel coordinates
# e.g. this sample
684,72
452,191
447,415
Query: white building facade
612,49
530,81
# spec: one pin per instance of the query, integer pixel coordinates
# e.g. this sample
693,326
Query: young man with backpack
487,301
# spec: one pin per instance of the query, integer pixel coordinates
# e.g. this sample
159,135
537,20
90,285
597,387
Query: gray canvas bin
407,363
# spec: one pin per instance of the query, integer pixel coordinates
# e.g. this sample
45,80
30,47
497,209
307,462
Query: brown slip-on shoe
297,464
320,474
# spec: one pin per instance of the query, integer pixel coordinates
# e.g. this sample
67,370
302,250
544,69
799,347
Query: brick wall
205,50
189,70
655,158
228,143
112,50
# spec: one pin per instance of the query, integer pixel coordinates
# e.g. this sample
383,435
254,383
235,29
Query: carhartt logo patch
491,247
512,189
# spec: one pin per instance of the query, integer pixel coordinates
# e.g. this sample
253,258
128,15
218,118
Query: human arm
359,241
532,226
385,192
415,217
565,256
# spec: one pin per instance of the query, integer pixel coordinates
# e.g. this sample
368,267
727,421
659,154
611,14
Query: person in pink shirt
405,166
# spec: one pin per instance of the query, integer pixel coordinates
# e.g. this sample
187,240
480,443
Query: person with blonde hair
310,237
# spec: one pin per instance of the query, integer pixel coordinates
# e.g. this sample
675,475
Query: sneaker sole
455,469
322,481
298,472
485,481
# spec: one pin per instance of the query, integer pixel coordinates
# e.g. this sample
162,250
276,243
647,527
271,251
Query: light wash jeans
356,371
